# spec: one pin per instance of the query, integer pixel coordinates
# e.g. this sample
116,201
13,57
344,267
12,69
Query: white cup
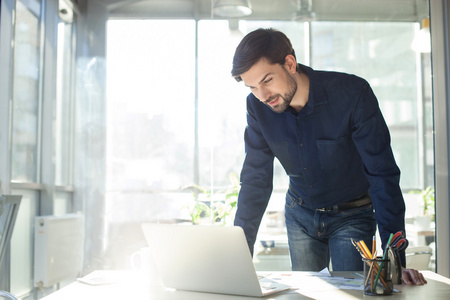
143,261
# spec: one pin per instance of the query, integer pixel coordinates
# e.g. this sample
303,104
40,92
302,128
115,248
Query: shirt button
301,144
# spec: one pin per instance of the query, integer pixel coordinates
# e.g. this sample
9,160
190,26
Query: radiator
59,248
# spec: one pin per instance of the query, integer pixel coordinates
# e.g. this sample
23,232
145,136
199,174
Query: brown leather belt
361,201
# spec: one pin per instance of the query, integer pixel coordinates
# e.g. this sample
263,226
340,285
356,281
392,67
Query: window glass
221,105
62,203
64,96
150,109
151,157
379,52
148,157
22,247
26,97
222,100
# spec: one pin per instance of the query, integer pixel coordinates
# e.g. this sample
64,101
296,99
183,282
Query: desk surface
130,285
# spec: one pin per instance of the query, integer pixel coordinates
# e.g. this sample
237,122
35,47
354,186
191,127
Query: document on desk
107,278
302,282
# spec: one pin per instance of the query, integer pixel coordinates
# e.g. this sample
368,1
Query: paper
325,272
303,282
103,278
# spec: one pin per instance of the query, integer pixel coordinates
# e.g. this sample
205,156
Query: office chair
418,257
6,295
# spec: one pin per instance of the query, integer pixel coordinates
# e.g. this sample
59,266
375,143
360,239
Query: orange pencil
365,249
374,246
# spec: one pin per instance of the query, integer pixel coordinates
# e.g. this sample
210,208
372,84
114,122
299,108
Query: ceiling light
232,8
304,11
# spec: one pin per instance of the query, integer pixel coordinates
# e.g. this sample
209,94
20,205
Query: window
144,89
26,109
64,103
150,116
222,104
26,92
22,243
41,115
146,169
382,54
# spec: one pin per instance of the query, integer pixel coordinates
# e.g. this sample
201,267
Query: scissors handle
397,236
401,244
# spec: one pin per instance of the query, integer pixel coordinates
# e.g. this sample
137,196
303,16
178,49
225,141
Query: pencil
374,246
366,250
372,272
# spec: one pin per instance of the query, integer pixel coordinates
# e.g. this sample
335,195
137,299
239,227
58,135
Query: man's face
272,84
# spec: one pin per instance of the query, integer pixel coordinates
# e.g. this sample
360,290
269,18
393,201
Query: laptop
206,258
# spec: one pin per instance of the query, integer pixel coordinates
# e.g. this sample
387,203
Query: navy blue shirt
334,150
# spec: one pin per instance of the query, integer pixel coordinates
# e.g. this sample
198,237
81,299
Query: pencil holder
396,265
377,276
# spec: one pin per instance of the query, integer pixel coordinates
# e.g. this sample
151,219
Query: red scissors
399,241
401,244
396,237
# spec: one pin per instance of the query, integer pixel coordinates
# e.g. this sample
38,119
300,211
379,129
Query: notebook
206,258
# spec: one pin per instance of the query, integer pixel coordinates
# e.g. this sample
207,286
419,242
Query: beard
284,100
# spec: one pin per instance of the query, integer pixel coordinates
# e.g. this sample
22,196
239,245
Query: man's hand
411,276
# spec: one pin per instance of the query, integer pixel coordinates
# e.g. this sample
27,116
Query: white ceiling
336,10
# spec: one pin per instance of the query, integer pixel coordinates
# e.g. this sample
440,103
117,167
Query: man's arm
372,139
252,203
256,179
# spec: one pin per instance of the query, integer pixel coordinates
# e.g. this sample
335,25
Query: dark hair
262,43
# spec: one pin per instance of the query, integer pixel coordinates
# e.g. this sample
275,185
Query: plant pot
423,222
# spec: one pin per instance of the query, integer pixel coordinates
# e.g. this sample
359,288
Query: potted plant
427,202
223,211
198,208
204,209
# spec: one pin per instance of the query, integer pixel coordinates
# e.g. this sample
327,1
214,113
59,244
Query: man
327,131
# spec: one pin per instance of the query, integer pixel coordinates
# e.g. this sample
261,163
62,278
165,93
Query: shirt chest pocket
334,154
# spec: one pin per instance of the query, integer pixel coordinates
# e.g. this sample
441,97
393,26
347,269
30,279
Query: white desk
129,285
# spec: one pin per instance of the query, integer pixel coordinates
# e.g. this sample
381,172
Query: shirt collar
316,93
316,90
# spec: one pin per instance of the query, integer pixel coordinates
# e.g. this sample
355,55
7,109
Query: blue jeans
315,237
